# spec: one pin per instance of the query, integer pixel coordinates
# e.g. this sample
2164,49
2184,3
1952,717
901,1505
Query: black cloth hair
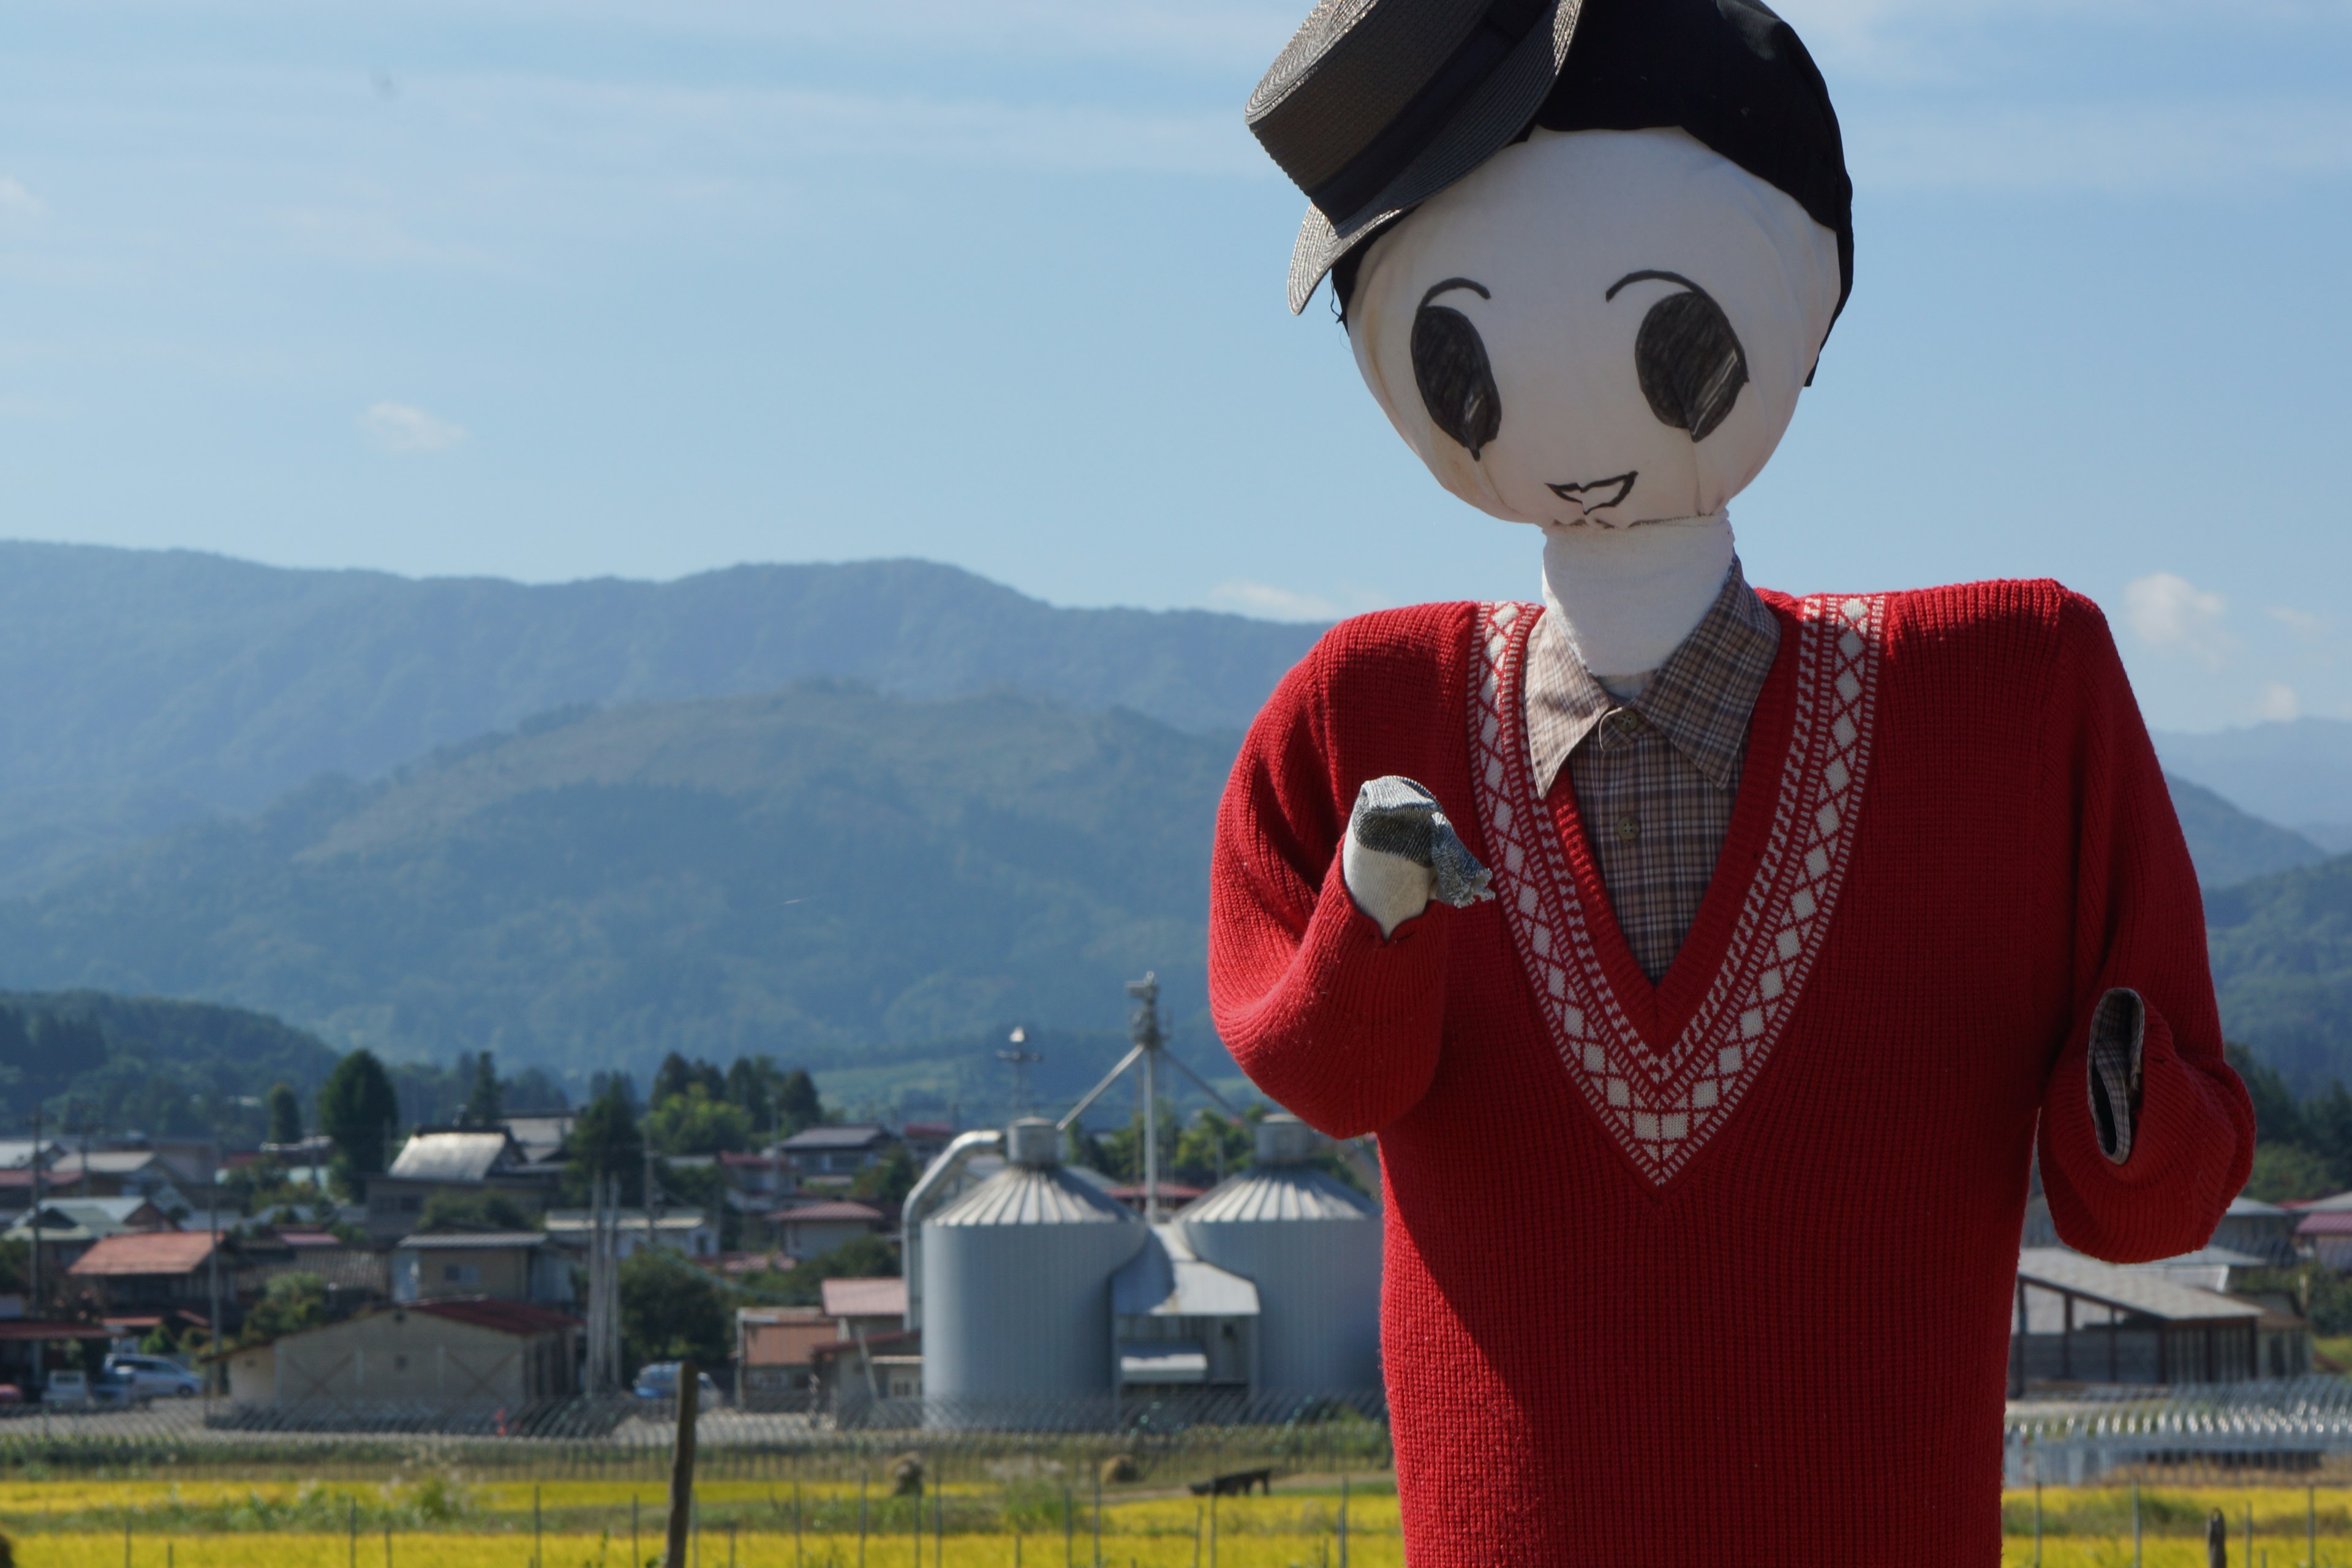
1730,72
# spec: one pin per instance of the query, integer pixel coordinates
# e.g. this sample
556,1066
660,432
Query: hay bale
1120,1469
907,1475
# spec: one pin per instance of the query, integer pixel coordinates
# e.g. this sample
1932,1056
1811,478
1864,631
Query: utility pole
649,1191
39,1300
212,1217
1144,1029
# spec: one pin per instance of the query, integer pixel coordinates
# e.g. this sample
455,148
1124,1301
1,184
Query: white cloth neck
1628,597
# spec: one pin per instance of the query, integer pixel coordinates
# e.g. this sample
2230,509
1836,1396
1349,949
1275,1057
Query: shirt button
1629,827
1625,723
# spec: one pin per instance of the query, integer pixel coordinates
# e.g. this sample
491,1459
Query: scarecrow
1711,963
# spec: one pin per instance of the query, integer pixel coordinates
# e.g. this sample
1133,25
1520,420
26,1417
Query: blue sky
558,290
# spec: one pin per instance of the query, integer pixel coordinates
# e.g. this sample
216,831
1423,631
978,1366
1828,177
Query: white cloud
16,201
2278,703
399,428
2171,612
1276,604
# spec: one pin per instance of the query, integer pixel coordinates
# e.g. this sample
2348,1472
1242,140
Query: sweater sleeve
2138,960
1331,1020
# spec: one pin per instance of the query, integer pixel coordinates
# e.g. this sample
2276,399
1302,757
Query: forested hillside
819,869
163,1067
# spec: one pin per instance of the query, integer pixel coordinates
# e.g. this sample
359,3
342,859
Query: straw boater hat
1378,105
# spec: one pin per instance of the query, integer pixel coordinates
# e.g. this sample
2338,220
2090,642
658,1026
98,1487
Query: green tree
473,1211
752,1083
695,1121
285,1107
482,1100
1214,1148
2277,1118
890,1178
798,1108
290,1303
605,1142
358,1110
671,1310
16,1265
676,1075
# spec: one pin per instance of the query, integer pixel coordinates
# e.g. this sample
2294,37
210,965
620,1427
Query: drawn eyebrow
1435,290
1654,277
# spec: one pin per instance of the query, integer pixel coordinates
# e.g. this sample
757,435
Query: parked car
11,1394
659,1381
153,1375
69,1390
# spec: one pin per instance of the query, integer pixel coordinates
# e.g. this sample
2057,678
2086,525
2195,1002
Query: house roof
865,1298
746,1161
450,1156
146,1252
488,1312
2141,1290
2331,1222
39,1328
295,1237
836,1211
927,1130
470,1240
2241,1206
104,1162
846,1135
19,1152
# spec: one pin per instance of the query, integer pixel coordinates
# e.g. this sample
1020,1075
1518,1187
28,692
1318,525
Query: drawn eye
1690,362
1449,365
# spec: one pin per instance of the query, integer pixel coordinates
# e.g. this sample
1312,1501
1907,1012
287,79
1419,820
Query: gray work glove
1400,852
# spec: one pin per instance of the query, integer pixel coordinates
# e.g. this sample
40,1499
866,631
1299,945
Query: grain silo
1312,1246
1016,1286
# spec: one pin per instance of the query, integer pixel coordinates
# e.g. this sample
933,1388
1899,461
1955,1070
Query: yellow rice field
443,1520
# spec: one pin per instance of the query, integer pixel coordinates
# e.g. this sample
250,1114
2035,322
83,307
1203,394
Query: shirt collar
1700,699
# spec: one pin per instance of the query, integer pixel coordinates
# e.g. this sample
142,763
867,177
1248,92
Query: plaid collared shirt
1656,777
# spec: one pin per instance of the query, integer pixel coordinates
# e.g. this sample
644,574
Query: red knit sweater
1720,1270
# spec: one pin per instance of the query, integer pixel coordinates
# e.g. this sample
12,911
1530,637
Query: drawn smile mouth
1597,495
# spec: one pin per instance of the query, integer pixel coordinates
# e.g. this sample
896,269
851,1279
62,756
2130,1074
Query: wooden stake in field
861,1522
681,1467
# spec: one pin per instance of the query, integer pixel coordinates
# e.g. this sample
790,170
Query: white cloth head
1554,251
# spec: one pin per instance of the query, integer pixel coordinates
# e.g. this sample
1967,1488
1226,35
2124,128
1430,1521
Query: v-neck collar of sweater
1664,1068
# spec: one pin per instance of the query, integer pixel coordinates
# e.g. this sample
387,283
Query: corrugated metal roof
146,1252
849,1135
450,1156
1280,1192
1034,1195
2241,1206
1166,1280
835,1210
470,1240
2133,1289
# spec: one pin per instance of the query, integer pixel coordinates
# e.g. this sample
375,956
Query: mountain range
865,817
2296,772
141,691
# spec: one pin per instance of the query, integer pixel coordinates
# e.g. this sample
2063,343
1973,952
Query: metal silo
1312,1245
1016,1286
